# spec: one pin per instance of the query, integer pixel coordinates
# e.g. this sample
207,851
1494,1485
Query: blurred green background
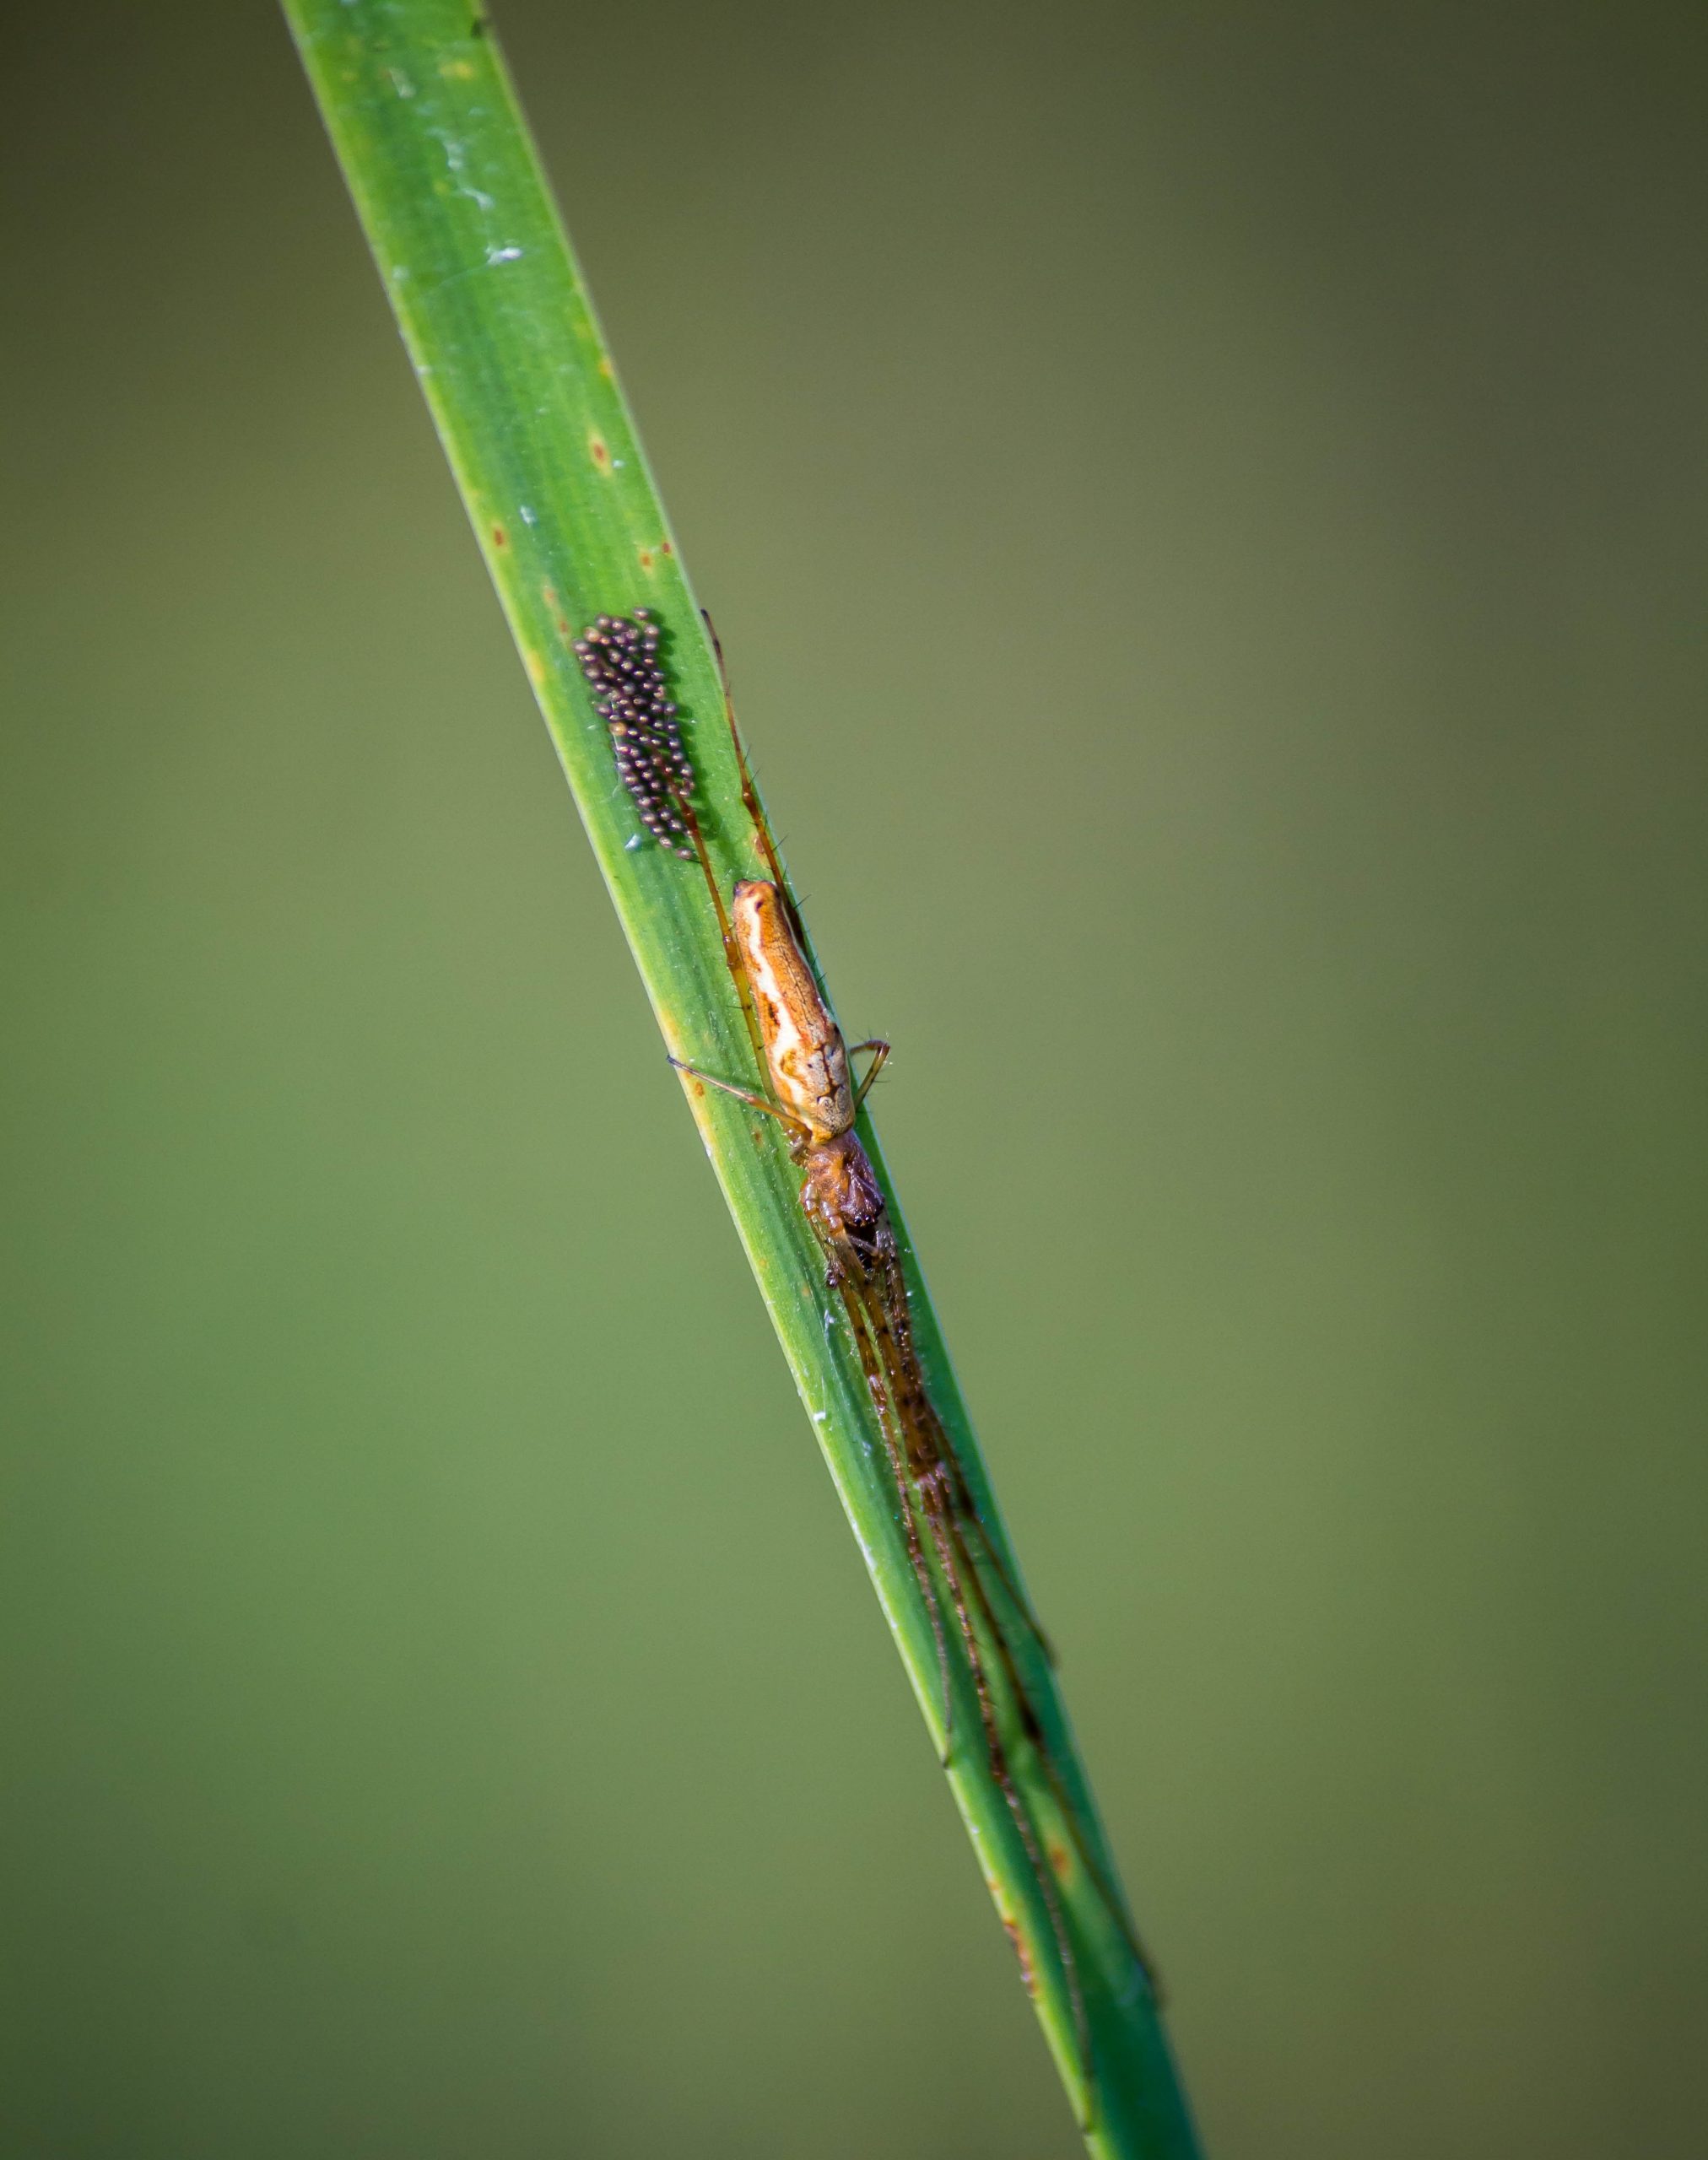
1208,509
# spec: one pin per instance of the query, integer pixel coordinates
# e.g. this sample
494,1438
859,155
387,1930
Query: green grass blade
510,357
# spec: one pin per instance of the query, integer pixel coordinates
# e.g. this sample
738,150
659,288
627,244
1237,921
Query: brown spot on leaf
1059,1860
665,547
599,453
501,539
645,554
1011,1930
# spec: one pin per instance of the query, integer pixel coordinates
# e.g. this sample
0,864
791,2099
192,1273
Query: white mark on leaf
457,159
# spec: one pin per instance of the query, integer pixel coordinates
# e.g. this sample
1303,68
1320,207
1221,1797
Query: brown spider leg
926,1483
937,1461
750,794
845,1274
967,1507
744,1096
909,1381
934,1499
930,1447
963,1515
881,1052
1031,1727
930,1476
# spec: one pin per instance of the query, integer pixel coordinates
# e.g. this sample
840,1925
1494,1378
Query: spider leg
881,1052
742,1095
850,1279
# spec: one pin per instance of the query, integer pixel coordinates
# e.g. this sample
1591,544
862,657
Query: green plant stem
505,345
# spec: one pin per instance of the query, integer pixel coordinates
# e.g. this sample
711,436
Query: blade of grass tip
505,344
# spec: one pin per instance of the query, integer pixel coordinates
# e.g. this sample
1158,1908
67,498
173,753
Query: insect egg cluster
619,658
